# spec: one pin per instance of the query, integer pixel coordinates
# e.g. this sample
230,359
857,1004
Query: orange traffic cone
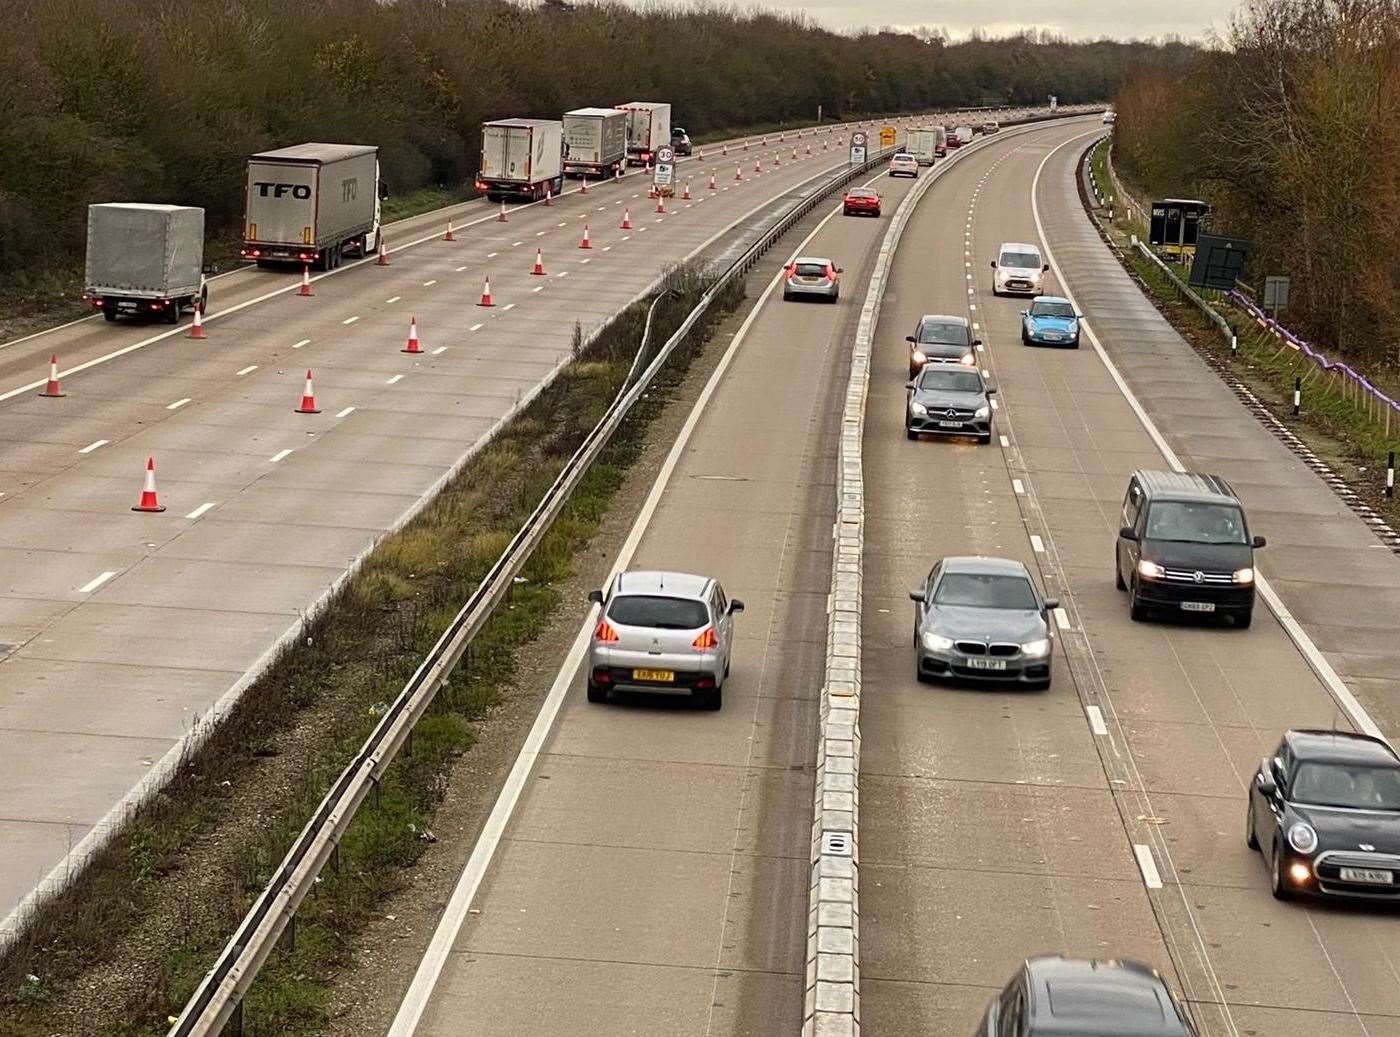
549,196
305,288
758,165
585,243
738,174
626,220
777,159
412,346
685,195
51,388
308,398
197,328
584,188
724,149
383,259
538,271
149,502
486,293
712,183
660,203
449,236
794,154
502,217
699,156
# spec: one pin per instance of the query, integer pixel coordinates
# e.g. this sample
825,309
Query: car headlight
917,408
1302,837
968,360
1037,648
983,412
1031,328
1245,575
937,642
920,356
1151,570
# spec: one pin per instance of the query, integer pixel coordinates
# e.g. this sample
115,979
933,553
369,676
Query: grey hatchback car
811,277
982,619
665,632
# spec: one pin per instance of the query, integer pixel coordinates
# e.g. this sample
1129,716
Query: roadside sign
857,148
663,175
1275,294
887,137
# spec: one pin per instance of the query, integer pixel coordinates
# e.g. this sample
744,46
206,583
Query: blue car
1051,321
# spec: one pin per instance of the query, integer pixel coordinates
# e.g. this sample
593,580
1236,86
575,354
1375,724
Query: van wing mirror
1259,542
908,338
1127,533
1265,779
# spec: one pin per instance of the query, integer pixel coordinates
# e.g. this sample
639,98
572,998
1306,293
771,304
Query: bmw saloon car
1050,321
982,619
949,400
1324,811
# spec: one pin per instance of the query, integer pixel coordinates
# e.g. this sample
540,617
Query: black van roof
1184,485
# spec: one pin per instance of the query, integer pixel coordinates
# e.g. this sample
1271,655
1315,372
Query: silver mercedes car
665,632
983,619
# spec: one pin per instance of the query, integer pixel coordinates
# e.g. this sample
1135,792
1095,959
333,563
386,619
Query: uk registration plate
666,676
986,664
1375,877
1198,606
950,424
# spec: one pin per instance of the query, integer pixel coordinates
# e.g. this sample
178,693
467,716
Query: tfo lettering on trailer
266,187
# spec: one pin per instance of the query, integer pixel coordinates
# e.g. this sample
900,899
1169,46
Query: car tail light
307,257
604,632
790,270
831,273
706,639
601,676
98,302
704,683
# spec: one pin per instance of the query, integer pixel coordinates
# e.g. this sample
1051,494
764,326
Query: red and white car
861,201
904,164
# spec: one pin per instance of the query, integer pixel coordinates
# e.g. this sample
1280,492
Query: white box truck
521,158
648,128
144,260
923,144
595,141
312,204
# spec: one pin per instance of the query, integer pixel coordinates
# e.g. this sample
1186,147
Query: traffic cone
486,293
197,328
51,388
585,243
660,203
305,288
584,188
699,156
412,346
538,271
502,217
809,149
724,149
777,159
738,174
780,138
794,154
149,501
383,255
626,220
308,398
449,236
712,183
758,165
549,196
746,144
685,195
617,172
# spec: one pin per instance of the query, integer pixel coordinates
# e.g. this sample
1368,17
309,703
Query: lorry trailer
312,204
648,128
521,158
595,141
144,260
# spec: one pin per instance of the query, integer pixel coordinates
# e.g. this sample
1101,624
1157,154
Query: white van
925,144
1018,270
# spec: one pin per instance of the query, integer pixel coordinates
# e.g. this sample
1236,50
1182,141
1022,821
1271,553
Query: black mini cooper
1325,812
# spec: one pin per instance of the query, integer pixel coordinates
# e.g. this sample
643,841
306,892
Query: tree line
1289,130
162,100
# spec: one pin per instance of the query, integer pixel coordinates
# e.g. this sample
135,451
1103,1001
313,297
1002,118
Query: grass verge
121,951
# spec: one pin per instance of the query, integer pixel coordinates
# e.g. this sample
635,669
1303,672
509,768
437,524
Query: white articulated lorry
312,204
648,128
595,141
144,260
521,158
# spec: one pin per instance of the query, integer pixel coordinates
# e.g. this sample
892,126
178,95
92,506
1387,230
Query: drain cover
838,843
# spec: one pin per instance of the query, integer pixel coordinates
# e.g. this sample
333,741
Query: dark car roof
983,565
1185,486
944,318
1339,747
1076,996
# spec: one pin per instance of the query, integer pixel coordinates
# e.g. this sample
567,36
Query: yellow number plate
653,675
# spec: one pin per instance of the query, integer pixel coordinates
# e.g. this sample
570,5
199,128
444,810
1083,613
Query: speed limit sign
857,148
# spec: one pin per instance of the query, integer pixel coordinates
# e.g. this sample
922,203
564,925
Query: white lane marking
584,262
459,269
303,342
564,223
392,299
515,244
626,237
476,327
350,320
278,456
177,404
345,413
540,233
508,306
94,446
1062,618
395,380
492,255
450,923
606,248
439,351
1037,545
1018,486
564,273
97,581
200,510
429,284
537,288
1096,723
1147,865
247,370
1005,442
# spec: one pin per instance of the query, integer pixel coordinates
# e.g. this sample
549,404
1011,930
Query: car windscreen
949,378
654,610
1347,785
860,192
985,590
1051,309
1195,522
1020,260
953,333
811,270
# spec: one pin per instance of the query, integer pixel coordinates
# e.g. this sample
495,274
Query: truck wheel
111,315
172,315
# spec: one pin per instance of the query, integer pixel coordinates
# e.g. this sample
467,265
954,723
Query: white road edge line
1037,545
1147,864
97,581
1096,724
178,403
305,342
345,413
429,970
394,380
200,510
247,370
278,456
94,446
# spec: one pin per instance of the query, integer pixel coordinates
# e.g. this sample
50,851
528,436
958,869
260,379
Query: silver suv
664,632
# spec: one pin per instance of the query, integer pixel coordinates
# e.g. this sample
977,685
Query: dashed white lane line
540,233
395,380
459,270
584,262
247,370
606,248
515,244
94,446
278,456
1037,545
476,327
562,273
350,320
626,237
303,342
177,404
492,255
1096,723
564,223
1005,442
1147,865
439,351
200,510
1062,619
537,288
345,413
429,284
97,581
508,306
392,299
1018,486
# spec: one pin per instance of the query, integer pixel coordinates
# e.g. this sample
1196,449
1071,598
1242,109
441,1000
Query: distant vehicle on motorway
1324,811
680,141
1050,321
1068,997
964,134
952,140
982,619
1184,547
1109,118
949,400
926,144
991,126
861,201
904,164
810,277
144,260
662,632
941,339
1019,270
